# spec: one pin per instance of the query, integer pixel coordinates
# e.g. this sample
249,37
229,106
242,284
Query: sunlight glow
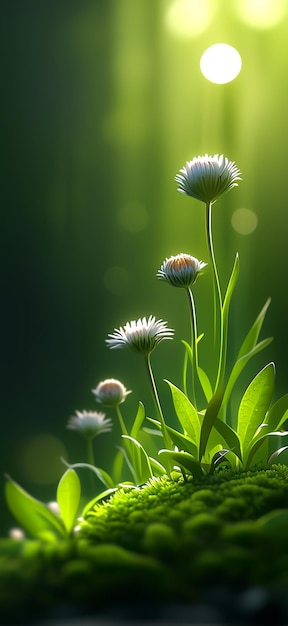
189,18
220,63
244,221
261,14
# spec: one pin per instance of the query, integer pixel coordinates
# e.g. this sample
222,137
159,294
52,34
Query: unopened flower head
141,335
181,270
110,392
89,423
208,177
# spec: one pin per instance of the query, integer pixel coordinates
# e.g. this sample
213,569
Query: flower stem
194,346
157,403
127,445
90,451
121,421
216,292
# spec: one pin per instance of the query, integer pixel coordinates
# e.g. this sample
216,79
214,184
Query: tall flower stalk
217,295
194,344
182,271
206,178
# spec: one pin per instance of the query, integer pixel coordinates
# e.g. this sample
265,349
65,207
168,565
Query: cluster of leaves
207,439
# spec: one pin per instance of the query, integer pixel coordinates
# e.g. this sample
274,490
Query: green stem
127,445
90,451
194,346
216,292
121,421
157,403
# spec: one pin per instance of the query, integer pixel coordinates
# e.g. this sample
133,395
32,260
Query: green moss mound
185,510
168,540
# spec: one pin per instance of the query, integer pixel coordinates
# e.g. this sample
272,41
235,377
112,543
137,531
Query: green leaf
278,414
158,469
274,458
187,357
118,466
231,285
253,334
205,384
230,436
138,420
218,458
254,447
141,462
224,321
183,460
249,348
239,366
209,419
203,378
181,441
254,404
68,498
132,464
100,473
186,413
32,515
90,505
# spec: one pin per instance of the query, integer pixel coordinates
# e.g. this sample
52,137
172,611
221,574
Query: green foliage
205,441
68,498
34,516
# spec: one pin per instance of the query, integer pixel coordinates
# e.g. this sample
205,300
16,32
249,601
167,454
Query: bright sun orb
220,63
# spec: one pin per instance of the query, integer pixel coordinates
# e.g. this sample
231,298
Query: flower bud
110,392
181,270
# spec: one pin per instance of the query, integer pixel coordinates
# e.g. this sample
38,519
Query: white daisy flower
141,335
89,423
208,177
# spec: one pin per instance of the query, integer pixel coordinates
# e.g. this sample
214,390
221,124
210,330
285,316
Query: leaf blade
254,405
33,515
68,498
184,460
186,413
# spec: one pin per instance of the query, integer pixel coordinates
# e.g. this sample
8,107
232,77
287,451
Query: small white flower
89,423
54,507
141,335
181,270
110,392
16,533
208,177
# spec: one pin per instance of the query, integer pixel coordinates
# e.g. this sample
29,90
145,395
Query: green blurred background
102,103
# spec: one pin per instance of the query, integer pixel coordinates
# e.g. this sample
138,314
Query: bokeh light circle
244,221
190,18
220,63
261,14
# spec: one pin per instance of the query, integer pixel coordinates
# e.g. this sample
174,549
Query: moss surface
171,539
